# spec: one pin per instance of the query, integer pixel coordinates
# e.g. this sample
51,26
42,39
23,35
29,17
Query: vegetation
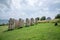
43,18
42,31
3,24
38,18
48,18
57,16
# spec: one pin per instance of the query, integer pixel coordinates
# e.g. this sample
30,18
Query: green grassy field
42,31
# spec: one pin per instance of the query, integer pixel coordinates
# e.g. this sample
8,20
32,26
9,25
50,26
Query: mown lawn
42,31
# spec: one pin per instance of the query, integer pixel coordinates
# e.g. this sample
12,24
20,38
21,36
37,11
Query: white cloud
15,4
28,8
32,2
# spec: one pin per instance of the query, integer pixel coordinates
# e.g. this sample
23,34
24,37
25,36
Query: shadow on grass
12,29
8,30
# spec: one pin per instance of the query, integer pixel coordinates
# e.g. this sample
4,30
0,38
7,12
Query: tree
48,18
43,18
38,18
57,16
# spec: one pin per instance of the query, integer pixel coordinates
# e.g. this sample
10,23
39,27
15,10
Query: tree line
48,18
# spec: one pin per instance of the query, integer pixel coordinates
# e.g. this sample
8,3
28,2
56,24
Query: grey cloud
5,2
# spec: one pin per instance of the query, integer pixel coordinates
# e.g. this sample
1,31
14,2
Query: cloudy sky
28,8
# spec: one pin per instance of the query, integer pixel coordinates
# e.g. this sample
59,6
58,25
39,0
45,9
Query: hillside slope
43,31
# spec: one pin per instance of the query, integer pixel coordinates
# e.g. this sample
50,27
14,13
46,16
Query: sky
28,8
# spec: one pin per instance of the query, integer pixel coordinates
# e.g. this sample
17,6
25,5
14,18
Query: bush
57,16
43,18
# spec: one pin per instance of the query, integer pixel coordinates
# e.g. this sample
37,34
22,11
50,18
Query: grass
42,31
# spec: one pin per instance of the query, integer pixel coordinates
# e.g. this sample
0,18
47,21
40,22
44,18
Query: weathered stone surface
36,21
21,23
16,22
11,24
27,22
32,21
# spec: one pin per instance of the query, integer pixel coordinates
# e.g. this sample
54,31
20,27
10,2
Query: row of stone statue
13,23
